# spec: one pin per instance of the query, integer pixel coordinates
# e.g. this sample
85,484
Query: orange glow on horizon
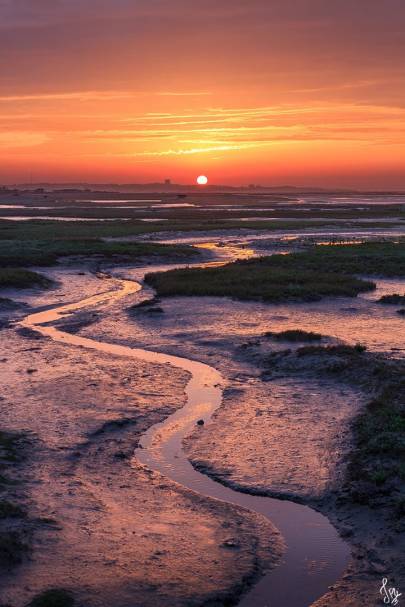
299,98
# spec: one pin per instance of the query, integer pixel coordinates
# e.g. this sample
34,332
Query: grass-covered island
294,335
47,252
308,276
21,279
27,244
394,299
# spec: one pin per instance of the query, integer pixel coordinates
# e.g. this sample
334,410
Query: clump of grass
10,447
144,305
367,258
392,299
294,335
10,510
19,278
8,304
399,510
307,276
379,434
339,350
12,548
256,282
11,452
155,310
15,253
55,597
13,542
4,482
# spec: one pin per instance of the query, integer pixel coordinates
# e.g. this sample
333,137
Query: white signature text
390,595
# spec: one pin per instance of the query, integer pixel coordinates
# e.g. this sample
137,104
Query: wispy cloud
200,150
22,139
207,131
74,96
184,93
98,95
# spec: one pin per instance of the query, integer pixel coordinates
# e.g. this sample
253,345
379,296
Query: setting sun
202,298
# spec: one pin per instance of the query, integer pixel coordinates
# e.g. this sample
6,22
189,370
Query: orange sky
270,91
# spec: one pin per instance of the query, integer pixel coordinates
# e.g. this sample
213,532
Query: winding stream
315,556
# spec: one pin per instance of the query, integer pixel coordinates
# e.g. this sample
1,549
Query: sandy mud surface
286,438
111,532
122,535
290,436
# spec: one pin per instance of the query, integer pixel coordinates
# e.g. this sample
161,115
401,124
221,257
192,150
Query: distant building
168,181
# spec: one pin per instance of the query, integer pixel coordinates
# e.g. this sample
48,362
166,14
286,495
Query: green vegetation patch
55,597
21,279
379,432
40,229
294,335
368,258
308,276
12,548
11,452
339,350
11,447
47,252
10,510
70,230
395,299
256,281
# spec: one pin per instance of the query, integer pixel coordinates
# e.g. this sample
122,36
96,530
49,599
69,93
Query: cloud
74,96
22,139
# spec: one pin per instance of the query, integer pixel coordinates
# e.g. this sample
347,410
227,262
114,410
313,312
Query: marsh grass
379,434
145,304
13,548
54,597
368,258
47,252
294,335
11,447
338,350
307,276
395,299
37,229
11,510
257,281
21,279
15,530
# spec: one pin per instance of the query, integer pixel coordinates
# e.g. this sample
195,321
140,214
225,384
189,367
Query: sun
202,180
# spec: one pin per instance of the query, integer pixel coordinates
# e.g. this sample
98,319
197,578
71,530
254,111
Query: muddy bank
302,446
287,438
92,469
113,534
289,434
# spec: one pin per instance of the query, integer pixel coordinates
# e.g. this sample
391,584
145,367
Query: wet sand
79,474
252,443
115,533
